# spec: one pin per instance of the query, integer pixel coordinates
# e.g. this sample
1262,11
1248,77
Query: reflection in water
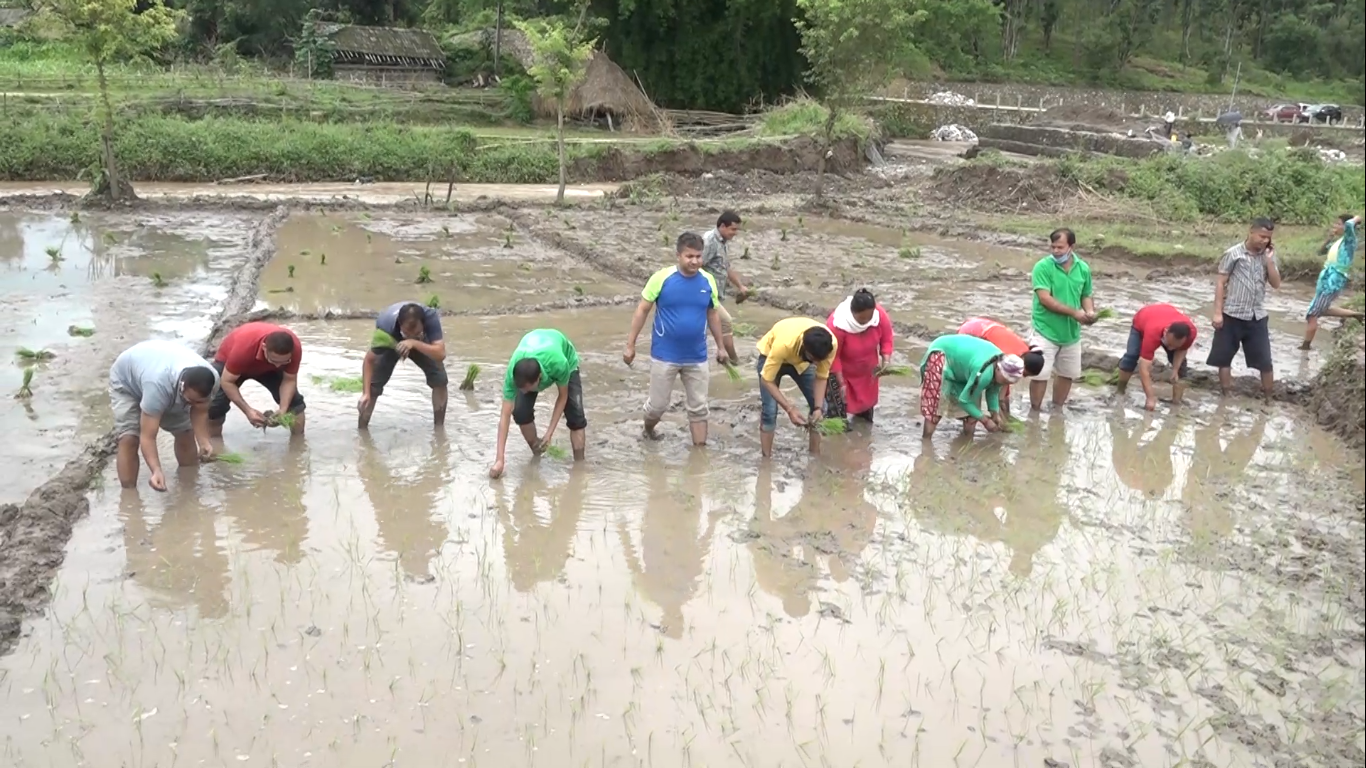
404,510
672,550
178,561
270,507
537,547
1212,467
1145,466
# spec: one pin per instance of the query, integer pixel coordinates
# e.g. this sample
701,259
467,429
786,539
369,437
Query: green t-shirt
1069,287
552,350
968,375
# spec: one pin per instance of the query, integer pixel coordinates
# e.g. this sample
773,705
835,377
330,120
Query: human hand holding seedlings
629,356
405,347
794,414
256,418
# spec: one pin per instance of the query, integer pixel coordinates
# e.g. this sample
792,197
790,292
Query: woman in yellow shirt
803,350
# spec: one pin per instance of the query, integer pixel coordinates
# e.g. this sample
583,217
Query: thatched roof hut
605,88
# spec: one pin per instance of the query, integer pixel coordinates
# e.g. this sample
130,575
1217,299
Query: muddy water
383,193
1102,589
101,278
369,262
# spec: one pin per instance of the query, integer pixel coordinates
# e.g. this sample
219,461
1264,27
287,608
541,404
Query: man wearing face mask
1062,305
1240,318
157,385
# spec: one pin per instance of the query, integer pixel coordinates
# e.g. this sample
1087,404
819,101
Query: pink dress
856,356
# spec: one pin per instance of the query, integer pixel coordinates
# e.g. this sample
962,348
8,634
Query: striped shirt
1246,291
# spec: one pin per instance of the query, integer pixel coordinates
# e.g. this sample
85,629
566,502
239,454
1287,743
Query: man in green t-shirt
543,357
1062,305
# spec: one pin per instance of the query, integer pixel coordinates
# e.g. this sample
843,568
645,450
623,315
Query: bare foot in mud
649,433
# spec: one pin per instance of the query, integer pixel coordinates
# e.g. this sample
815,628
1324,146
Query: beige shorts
1061,361
695,378
727,325
128,416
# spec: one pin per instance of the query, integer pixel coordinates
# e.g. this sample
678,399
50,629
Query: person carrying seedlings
268,355
1157,325
406,330
542,358
1008,342
1062,305
685,301
864,340
958,370
803,350
716,262
1240,318
155,385
1339,252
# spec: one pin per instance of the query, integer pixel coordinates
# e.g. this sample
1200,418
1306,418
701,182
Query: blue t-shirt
431,322
681,305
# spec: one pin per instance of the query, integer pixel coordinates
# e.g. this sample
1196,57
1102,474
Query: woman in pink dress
863,332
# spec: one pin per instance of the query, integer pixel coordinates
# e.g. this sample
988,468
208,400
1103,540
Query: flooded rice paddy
1104,587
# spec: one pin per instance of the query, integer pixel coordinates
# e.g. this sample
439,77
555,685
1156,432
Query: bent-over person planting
1157,325
957,373
268,355
415,331
685,301
1240,317
542,358
155,385
803,350
1339,252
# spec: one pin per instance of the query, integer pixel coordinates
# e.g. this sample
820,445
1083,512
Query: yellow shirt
783,344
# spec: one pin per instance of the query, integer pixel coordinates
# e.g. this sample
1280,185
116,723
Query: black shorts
386,359
1254,336
524,407
1129,362
220,405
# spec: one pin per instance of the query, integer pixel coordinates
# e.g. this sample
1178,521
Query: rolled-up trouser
695,378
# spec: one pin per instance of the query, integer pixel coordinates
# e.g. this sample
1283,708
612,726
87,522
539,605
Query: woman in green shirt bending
958,370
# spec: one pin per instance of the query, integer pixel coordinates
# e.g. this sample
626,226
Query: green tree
849,46
560,58
107,31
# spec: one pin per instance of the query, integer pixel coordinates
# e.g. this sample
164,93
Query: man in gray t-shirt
716,261
416,334
157,385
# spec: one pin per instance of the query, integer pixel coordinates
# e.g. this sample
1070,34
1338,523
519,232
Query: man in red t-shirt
1157,325
264,353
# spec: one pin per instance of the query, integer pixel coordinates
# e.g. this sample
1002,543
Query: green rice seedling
110,238
291,271
471,373
382,340
578,289
424,276
556,452
1095,378
75,217
783,234
895,370
25,389
230,458
434,301
664,238
76,330
909,252
1015,425
54,253
446,230
745,329
776,264
34,355
336,229
158,281
745,255
507,239
732,372
286,289
829,427
801,222
322,259
347,384
369,238
305,252
1105,314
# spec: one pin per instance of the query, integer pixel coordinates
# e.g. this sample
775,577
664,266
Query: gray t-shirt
150,371
716,260
431,322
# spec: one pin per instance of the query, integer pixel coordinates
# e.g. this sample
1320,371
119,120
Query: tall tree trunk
107,137
827,145
498,40
559,140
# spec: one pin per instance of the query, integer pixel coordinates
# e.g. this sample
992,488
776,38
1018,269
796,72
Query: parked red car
1287,113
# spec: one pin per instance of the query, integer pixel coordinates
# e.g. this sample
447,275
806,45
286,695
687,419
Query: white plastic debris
953,132
949,98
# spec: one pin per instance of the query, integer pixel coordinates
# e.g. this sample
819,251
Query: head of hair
280,343
688,240
727,218
410,313
526,372
863,301
198,378
1033,362
1263,223
817,343
1180,330
1345,217
1062,233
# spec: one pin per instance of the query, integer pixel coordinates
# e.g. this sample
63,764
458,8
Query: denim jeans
806,382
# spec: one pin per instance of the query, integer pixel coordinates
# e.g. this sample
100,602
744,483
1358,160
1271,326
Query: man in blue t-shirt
685,300
406,330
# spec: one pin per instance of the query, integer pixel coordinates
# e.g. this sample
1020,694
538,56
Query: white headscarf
845,321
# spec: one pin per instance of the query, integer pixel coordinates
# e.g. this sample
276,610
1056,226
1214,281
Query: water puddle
1102,588
100,272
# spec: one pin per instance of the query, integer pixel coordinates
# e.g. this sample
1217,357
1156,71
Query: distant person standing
1339,251
156,385
544,357
685,301
1240,318
1157,325
1232,123
716,261
1062,305
268,355
1009,343
864,339
417,332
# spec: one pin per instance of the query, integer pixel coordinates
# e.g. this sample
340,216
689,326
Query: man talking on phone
1240,319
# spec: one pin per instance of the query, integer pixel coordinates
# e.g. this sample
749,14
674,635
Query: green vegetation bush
805,117
1289,186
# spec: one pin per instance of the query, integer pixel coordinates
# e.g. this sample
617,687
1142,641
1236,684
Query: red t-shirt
241,354
1152,321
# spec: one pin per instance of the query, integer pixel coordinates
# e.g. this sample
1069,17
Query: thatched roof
605,87
384,45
